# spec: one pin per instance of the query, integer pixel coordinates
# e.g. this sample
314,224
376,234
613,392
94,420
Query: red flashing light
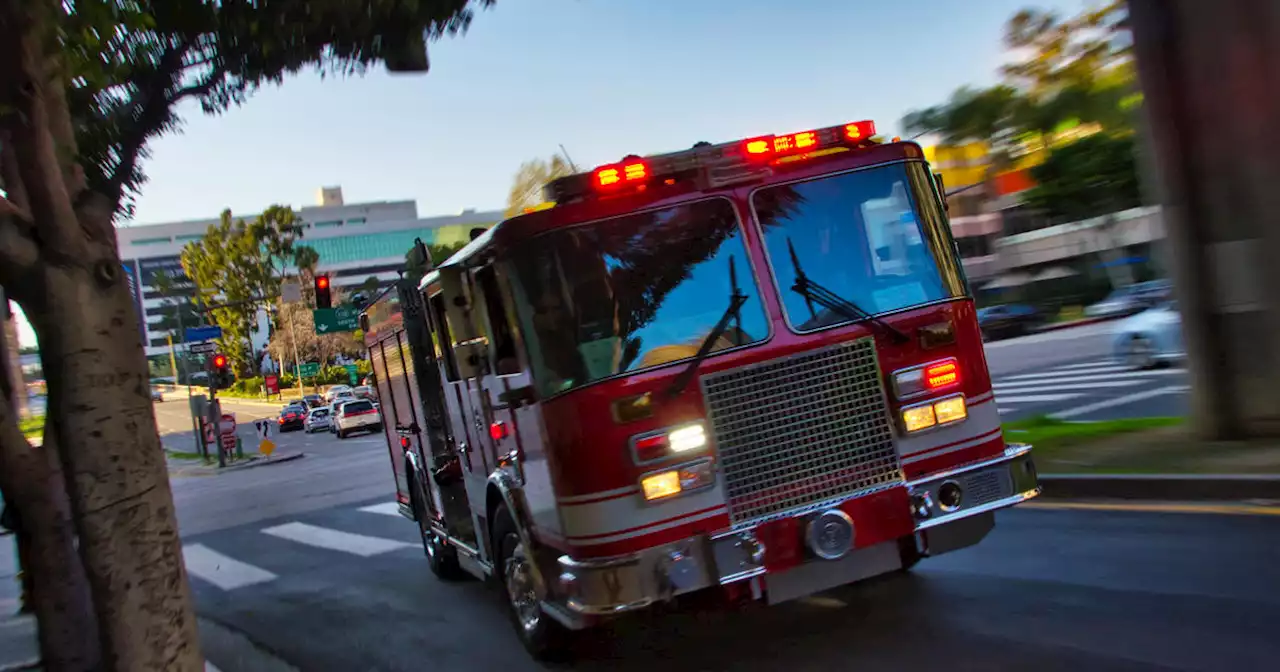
860,130
404,442
651,448
942,374
615,175
322,281
498,431
219,361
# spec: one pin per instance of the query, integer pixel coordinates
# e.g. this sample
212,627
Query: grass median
1137,445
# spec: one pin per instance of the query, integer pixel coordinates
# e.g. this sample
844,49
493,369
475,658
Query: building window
188,238
355,221
328,225
152,241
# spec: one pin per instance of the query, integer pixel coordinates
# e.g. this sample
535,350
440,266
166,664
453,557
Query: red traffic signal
219,361
323,299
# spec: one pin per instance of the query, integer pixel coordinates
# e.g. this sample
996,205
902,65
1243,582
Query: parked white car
356,416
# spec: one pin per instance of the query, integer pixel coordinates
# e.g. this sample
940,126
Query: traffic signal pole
215,412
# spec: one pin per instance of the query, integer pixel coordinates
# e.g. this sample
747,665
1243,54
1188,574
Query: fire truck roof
637,183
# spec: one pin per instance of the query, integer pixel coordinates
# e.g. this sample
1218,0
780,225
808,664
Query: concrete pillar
1210,72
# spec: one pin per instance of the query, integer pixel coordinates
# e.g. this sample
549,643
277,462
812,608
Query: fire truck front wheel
542,636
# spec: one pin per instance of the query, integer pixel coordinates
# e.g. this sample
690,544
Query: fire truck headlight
951,409
685,478
917,418
688,438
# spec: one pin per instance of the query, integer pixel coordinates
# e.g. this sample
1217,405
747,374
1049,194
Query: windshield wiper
815,293
732,312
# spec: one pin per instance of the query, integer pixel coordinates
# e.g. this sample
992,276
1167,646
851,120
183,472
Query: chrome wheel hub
518,576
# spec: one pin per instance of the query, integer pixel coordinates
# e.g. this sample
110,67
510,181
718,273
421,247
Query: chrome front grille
800,431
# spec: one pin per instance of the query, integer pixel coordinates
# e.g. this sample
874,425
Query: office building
354,242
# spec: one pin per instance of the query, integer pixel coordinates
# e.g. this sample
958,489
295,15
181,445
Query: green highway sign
334,320
353,373
309,370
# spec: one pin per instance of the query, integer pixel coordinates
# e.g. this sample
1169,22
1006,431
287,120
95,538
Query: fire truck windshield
874,238
634,292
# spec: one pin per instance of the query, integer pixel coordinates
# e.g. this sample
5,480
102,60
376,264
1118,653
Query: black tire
542,636
441,558
1139,353
341,434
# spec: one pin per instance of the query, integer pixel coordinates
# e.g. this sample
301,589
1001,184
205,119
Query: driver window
504,345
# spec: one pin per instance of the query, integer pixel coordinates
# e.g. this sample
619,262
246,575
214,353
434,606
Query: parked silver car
318,420
1150,338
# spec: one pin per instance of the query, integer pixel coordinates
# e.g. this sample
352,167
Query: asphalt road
348,588
308,558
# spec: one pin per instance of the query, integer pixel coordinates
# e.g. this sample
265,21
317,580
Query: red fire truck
751,367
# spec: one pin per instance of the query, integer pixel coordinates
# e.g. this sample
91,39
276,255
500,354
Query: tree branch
153,110
25,73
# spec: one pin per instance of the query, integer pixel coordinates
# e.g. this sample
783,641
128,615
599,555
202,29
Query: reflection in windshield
861,236
633,292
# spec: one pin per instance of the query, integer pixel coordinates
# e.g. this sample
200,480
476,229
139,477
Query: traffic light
323,300
221,375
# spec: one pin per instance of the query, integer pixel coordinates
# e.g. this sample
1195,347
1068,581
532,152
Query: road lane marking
1082,370
1047,378
1036,385
1118,401
334,540
222,571
1034,398
1086,365
388,508
1005,409
1230,509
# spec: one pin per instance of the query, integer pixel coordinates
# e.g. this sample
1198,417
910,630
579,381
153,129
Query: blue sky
604,77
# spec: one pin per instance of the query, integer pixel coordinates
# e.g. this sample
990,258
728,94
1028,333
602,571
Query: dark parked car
292,417
1010,319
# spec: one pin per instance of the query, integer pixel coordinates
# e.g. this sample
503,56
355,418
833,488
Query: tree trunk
58,589
116,476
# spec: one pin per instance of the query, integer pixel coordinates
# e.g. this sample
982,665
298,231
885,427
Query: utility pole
297,363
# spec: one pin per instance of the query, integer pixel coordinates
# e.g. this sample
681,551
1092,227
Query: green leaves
126,64
526,188
1090,177
243,263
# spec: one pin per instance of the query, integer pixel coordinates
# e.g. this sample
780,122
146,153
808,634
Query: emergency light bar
716,165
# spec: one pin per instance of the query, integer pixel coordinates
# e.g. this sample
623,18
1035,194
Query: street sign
353,373
272,381
290,292
203,333
309,370
203,347
334,320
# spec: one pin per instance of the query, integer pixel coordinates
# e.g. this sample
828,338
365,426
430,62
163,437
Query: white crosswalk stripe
222,571
228,573
335,540
1071,381
386,508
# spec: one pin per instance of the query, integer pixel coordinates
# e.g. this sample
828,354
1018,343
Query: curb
1162,487
283,457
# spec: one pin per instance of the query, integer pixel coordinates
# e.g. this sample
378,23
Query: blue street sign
203,333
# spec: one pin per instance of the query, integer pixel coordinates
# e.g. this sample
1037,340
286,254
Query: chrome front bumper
604,587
